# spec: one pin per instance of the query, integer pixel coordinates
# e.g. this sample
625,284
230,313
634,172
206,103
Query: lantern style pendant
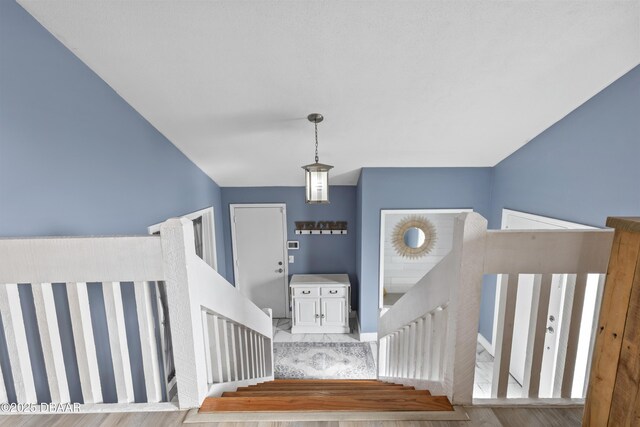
316,174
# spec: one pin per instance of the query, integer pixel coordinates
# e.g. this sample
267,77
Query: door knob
279,270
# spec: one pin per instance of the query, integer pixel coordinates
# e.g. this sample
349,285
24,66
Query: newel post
613,397
469,235
184,314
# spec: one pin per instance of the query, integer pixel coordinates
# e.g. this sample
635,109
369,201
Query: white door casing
259,235
384,242
208,234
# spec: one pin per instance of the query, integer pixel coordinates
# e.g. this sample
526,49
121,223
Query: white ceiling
401,83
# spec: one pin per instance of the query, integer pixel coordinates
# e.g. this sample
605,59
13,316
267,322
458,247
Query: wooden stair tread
326,387
327,381
323,392
316,384
390,402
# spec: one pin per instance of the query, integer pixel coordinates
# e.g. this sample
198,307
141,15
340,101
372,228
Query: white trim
194,417
503,226
210,258
216,389
285,254
435,387
100,408
531,402
368,336
486,344
383,213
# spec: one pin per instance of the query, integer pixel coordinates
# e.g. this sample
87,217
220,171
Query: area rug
323,360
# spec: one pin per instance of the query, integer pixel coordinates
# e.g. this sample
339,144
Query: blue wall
582,169
76,159
317,253
407,188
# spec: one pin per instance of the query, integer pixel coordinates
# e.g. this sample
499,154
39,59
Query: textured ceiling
401,83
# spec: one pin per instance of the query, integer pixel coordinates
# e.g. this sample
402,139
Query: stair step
321,383
389,402
389,388
323,392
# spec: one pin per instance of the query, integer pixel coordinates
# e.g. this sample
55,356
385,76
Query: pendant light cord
316,125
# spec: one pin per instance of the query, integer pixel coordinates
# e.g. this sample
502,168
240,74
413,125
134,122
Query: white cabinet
320,303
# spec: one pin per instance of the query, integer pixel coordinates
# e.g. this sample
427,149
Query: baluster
217,349
114,311
411,365
537,334
419,354
428,344
594,330
17,343
148,342
405,351
504,338
207,346
81,326
436,344
51,345
575,320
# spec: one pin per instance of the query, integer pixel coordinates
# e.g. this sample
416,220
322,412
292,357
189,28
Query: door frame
383,214
285,258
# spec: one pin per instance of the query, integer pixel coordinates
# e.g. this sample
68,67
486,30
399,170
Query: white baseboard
364,336
368,336
487,346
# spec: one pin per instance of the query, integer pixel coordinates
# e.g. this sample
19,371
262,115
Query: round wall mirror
414,237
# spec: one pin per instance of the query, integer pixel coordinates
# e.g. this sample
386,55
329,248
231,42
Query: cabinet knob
322,316
317,315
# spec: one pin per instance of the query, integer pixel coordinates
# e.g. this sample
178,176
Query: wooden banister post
469,235
184,315
613,397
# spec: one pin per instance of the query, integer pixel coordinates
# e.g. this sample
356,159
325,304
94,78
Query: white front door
259,238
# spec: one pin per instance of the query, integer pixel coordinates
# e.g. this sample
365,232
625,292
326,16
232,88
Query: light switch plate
291,259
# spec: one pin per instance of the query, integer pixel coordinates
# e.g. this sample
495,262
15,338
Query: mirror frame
419,222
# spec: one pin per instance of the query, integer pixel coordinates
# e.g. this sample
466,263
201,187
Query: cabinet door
307,311
333,312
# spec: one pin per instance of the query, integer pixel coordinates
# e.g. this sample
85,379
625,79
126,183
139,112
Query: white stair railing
551,256
429,337
222,340
426,340
215,330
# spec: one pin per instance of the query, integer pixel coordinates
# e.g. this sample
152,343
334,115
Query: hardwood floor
479,417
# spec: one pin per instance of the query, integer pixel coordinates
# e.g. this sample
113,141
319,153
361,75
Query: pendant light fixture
316,174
